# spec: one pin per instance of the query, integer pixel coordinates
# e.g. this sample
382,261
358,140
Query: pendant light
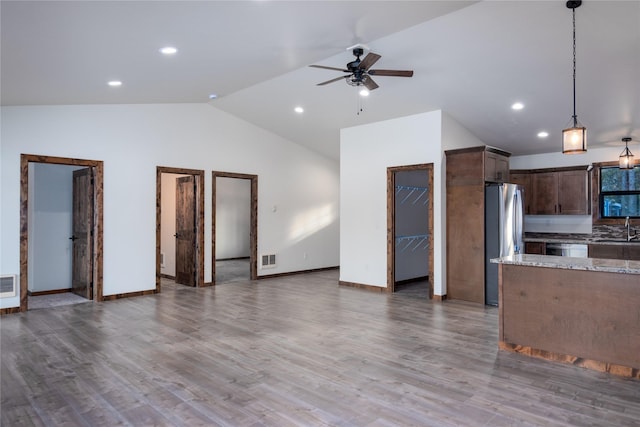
574,139
626,158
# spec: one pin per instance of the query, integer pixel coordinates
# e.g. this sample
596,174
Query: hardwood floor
294,350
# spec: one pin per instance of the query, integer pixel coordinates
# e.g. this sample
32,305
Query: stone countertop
569,263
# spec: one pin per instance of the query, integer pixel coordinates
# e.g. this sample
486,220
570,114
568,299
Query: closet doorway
72,205
410,228
234,227
180,226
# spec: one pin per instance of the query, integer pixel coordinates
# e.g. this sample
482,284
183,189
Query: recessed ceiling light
168,50
364,92
517,106
299,110
115,83
213,96
543,134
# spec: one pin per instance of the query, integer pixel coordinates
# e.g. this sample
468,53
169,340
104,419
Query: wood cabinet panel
496,167
629,251
607,251
545,193
534,248
572,192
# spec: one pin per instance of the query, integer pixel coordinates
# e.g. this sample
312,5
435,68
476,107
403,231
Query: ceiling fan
360,72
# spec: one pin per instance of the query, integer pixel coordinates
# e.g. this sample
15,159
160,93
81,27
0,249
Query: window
619,192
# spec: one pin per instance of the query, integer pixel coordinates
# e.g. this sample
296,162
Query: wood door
82,217
186,230
545,193
572,192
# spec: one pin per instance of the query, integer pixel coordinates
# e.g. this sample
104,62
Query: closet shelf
415,241
411,190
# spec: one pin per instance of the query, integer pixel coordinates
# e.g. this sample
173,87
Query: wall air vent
8,283
268,261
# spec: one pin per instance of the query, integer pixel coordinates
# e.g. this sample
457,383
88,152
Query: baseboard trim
49,292
363,286
10,310
232,259
206,284
408,281
168,276
440,297
128,295
595,365
292,273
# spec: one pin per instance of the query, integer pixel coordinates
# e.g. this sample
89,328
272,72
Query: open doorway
61,227
410,229
179,226
235,227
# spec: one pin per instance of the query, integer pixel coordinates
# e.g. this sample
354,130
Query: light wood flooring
291,351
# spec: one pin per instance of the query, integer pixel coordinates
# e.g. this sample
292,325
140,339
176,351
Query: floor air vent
8,285
268,261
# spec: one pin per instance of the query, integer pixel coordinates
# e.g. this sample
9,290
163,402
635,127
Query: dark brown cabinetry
629,251
555,191
534,248
467,172
496,166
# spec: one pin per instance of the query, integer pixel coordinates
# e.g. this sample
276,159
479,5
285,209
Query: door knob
73,238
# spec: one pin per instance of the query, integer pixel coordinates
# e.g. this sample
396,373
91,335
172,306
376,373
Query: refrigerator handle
518,220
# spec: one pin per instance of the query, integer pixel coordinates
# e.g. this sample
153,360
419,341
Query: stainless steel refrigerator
504,230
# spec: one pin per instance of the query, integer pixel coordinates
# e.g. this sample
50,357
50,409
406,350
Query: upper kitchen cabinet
496,165
573,192
523,179
545,193
554,191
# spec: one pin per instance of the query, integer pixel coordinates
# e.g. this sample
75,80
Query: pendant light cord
575,117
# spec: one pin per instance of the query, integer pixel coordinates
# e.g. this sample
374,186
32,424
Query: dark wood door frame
199,177
253,226
97,252
391,223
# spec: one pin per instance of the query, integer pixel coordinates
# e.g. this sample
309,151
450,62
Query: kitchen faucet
628,225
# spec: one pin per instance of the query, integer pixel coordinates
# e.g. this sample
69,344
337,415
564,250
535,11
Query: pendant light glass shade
626,158
574,139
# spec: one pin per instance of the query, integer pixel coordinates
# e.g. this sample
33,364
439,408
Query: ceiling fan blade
329,68
369,60
393,73
332,80
370,84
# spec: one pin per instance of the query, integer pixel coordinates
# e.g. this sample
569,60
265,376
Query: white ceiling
471,59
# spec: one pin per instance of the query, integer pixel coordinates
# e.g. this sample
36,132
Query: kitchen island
584,311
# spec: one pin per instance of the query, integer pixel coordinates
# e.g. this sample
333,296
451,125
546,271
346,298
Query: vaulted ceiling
471,59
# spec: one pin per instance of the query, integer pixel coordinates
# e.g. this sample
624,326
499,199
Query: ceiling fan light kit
626,157
360,71
574,138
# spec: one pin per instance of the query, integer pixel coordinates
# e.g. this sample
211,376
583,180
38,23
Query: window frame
598,196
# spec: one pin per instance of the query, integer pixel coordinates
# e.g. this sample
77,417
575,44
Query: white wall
50,213
233,218
365,154
133,140
168,223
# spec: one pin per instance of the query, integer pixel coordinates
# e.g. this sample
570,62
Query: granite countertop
569,263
